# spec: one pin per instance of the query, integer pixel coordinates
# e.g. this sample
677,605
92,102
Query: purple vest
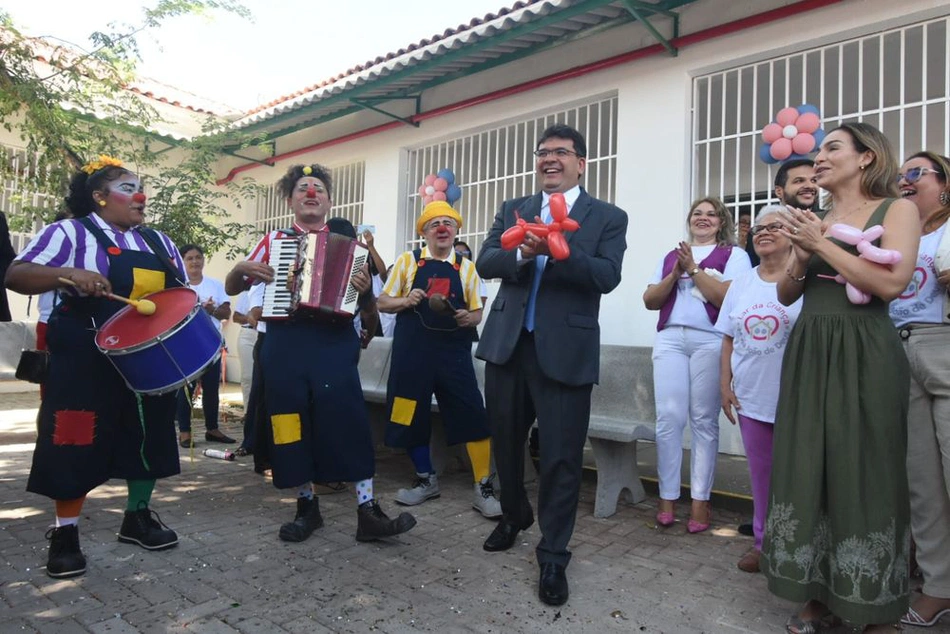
715,260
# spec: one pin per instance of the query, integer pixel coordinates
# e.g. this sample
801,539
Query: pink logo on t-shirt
917,282
761,328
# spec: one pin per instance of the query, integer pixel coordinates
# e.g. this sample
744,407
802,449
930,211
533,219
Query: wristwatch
693,272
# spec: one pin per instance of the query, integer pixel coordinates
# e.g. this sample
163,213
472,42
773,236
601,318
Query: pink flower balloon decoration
795,133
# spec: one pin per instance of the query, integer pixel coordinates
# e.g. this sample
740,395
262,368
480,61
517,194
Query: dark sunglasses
914,174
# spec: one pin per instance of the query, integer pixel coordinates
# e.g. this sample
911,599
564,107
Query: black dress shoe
216,435
504,536
552,588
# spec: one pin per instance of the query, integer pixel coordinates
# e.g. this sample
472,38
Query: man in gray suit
541,343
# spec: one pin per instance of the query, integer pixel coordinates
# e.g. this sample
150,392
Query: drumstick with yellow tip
143,306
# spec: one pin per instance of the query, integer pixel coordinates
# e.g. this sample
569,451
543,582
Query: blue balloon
807,107
447,174
452,193
819,135
764,154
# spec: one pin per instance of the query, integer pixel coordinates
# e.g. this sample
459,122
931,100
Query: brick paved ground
230,573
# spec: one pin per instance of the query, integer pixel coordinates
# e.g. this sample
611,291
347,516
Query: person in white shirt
755,328
246,340
216,302
920,314
687,288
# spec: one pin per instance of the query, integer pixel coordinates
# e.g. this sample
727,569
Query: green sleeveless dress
838,527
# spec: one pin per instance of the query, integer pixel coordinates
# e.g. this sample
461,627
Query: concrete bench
374,369
623,411
15,336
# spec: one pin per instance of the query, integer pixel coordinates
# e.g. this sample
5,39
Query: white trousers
928,454
686,387
246,340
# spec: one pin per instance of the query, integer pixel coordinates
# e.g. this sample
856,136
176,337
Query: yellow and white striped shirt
400,279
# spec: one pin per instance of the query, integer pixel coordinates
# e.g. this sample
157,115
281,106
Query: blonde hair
879,177
726,236
942,165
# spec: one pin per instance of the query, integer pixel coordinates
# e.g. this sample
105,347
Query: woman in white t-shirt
686,354
755,327
921,314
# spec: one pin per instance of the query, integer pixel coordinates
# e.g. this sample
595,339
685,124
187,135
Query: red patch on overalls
114,251
74,427
440,285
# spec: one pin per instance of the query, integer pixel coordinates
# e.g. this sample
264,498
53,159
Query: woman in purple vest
687,288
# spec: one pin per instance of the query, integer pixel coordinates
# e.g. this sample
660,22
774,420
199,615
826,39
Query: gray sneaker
485,501
426,487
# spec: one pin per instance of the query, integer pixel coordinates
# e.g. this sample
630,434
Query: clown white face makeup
310,202
125,202
440,235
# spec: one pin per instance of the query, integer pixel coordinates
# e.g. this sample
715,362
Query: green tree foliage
68,105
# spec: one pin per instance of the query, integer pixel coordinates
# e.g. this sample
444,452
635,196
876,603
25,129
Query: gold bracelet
797,280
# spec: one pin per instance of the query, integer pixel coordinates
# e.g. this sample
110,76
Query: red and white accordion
313,276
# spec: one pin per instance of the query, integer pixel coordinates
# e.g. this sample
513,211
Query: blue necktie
539,262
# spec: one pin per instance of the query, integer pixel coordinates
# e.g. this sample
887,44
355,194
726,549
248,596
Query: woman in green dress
838,529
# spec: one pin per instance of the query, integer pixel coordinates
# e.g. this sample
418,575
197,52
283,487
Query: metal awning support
637,8
367,103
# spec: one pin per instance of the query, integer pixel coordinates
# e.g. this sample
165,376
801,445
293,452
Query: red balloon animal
552,231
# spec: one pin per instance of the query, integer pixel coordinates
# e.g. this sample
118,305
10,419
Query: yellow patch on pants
286,428
145,281
403,411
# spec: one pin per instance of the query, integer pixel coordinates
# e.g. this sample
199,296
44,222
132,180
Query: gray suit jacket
567,330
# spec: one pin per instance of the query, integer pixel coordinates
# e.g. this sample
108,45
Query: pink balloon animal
862,240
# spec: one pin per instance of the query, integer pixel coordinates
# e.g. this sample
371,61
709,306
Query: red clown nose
311,191
138,197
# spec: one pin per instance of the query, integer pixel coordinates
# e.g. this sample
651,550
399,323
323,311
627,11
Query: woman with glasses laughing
755,328
921,316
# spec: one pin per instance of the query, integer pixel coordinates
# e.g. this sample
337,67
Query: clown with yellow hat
435,295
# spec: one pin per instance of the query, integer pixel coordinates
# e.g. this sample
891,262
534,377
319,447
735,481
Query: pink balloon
422,190
426,200
803,143
430,179
772,133
781,149
438,196
786,116
808,122
440,184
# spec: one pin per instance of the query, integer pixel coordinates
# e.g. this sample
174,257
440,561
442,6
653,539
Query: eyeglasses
448,222
914,174
771,228
559,152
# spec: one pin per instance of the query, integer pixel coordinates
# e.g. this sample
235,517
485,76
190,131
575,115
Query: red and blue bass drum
159,353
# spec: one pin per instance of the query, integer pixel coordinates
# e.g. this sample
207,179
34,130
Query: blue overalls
320,430
89,428
431,354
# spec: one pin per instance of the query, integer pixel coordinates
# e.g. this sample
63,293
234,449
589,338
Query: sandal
185,442
797,625
241,452
914,618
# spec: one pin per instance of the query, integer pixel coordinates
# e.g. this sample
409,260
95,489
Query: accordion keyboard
278,298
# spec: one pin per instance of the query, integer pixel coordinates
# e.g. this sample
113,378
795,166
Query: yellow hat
436,209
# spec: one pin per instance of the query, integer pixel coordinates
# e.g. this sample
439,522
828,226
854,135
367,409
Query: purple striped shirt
68,243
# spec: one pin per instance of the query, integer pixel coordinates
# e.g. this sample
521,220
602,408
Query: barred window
494,165
273,213
897,80
27,194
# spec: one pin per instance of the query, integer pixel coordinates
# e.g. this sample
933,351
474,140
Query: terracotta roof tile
475,22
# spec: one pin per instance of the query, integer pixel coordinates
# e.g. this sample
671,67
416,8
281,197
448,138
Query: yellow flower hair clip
307,170
104,160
